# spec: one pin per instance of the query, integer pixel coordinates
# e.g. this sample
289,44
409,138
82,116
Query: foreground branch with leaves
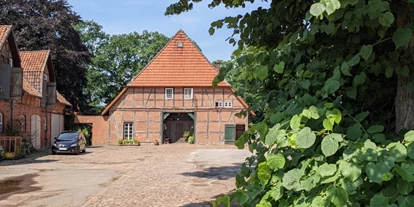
334,83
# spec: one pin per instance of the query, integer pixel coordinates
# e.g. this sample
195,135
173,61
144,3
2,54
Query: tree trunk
404,105
404,100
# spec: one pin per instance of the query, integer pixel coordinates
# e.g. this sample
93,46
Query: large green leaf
261,72
406,201
276,192
404,187
337,195
366,51
241,197
317,9
375,129
349,170
386,19
261,128
306,138
329,146
278,68
331,86
263,172
379,201
295,122
397,151
327,124
311,182
409,136
402,37
291,180
360,79
276,161
375,171
326,170
410,150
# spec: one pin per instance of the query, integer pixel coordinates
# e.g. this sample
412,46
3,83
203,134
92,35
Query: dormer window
179,44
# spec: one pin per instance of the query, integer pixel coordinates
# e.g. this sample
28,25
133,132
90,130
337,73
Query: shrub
191,139
300,163
136,141
186,134
120,141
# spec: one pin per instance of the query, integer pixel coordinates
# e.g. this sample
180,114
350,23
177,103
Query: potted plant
186,135
191,139
120,141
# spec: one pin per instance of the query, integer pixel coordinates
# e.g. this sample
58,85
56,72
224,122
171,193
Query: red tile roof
178,66
4,33
34,60
34,64
62,99
30,90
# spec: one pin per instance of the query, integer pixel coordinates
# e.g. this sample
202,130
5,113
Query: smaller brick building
29,103
171,95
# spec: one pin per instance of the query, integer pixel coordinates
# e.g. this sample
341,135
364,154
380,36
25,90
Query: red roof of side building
178,66
30,90
34,60
61,99
4,33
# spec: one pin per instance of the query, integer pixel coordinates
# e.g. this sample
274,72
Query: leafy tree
116,59
339,78
45,24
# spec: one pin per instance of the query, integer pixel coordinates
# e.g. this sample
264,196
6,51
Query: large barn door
35,131
57,126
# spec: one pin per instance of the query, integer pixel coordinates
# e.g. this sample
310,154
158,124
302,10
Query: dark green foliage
116,60
333,80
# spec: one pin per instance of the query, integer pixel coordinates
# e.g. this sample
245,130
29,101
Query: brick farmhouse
30,106
171,95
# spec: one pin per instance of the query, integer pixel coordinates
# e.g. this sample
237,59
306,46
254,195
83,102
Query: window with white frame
219,103
1,122
228,104
128,130
169,93
188,93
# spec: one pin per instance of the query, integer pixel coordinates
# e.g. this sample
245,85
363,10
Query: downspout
12,113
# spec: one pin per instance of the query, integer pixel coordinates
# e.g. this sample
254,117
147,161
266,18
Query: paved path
148,175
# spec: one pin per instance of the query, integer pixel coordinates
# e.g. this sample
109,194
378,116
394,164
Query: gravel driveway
148,175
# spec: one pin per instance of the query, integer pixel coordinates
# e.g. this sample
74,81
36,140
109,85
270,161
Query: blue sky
125,16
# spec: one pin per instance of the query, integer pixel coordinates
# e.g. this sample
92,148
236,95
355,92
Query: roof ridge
152,60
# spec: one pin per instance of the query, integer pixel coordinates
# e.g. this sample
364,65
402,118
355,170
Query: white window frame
1,122
11,62
128,131
167,94
186,95
219,104
228,104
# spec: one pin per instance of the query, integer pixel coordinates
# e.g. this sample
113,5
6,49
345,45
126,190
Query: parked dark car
69,142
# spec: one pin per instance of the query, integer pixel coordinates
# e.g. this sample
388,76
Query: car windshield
67,137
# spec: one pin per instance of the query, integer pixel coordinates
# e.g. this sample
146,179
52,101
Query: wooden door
35,131
57,126
229,134
179,130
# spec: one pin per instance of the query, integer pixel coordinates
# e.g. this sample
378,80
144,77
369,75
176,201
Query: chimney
217,66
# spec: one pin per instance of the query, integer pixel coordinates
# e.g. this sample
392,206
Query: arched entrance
35,131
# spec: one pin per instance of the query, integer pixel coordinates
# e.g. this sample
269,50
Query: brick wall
100,128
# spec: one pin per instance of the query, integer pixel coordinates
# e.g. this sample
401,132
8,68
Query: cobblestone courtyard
148,175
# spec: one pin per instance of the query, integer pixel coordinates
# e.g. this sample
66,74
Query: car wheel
78,151
53,152
84,150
